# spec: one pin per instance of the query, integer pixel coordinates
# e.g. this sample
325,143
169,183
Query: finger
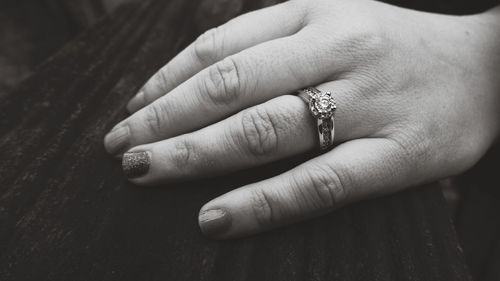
248,78
215,44
264,133
353,171
267,132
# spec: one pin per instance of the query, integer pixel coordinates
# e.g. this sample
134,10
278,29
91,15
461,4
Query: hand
417,100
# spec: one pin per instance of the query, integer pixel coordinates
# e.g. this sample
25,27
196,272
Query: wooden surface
67,212
477,219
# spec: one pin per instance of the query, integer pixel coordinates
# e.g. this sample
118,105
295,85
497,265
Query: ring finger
279,128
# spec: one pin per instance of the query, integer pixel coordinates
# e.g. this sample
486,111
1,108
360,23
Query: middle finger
237,82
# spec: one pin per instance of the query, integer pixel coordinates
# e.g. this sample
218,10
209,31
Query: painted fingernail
136,164
136,103
215,221
117,140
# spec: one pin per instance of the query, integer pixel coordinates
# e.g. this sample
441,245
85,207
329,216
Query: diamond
322,105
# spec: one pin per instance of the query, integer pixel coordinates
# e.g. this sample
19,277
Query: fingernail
136,103
215,221
136,164
117,140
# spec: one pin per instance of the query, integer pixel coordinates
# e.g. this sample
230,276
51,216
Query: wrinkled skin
417,95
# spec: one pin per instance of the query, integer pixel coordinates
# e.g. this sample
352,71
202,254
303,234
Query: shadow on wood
67,212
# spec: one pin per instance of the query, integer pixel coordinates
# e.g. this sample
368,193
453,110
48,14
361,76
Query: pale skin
418,99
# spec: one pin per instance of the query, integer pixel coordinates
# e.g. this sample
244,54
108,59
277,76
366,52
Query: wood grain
67,213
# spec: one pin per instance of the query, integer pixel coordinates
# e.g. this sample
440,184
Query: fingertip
136,103
116,141
139,167
228,216
214,222
136,164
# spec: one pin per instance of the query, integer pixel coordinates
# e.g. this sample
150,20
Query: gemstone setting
322,105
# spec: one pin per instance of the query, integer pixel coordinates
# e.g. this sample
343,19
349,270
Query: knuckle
223,84
262,208
296,5
259,132
183,155
372,41
206,47
416,141
327,187
366,43
414,144
154,118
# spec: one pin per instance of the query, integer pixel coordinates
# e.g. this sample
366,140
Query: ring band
322,107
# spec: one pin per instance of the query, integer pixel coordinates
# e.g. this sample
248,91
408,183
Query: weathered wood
67,213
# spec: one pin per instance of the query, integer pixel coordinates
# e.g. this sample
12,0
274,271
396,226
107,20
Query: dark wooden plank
67,213
24,40
477,218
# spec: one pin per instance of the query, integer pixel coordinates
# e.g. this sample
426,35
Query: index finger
215,44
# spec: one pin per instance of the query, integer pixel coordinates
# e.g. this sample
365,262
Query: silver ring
322,107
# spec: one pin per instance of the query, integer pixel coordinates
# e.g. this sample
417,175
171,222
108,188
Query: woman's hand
417,97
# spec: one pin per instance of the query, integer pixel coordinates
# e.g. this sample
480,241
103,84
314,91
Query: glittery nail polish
117,140
215,221
136,164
